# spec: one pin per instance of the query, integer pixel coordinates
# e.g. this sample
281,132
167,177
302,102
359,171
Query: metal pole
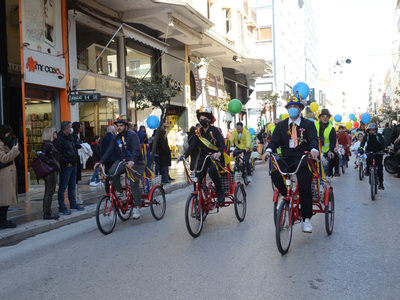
203,93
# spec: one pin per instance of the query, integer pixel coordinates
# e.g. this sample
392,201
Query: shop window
137,64
38,115
97,116
90,43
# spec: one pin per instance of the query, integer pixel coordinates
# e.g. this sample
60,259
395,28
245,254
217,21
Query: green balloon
355,119
235,106
280,117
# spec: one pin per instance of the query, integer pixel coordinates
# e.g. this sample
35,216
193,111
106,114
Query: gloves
361,150
386,150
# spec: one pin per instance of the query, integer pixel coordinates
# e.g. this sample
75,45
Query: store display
172,129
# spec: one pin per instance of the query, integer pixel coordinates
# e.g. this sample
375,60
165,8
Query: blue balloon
312,120
302,88
365,118
153,122
252,131
338,118
351,116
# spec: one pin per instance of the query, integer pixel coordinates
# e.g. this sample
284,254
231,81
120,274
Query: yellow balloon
348,125
270,125
285,116
314,106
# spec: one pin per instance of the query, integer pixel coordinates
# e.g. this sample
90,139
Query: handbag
41,169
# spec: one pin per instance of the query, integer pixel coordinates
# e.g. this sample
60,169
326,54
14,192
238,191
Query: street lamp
202,67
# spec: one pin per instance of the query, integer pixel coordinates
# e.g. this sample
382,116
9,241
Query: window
227,13
138,64
264,34
90,43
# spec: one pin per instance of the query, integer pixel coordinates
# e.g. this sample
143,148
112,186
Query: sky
361,30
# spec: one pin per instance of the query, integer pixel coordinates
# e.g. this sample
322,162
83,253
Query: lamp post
202,67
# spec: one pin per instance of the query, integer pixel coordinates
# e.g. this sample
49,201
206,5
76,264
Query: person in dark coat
50,157
164,153
95,181
195,153
105,142
77,138
295,135
68,162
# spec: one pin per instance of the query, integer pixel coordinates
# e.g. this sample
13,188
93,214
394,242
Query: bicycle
288,211
361,170
373,174
109,206
203,200
240,165
342,158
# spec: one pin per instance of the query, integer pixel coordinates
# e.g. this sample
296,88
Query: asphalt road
148,259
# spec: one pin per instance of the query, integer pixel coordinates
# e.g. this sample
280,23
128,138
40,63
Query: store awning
144,38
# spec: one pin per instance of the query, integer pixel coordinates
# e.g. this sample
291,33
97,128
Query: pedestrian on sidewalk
68,162
50,157
165,156
8,175
156,156
105,142
78,139
166,132
95,181
180,140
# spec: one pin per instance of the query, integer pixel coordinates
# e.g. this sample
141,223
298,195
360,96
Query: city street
148,259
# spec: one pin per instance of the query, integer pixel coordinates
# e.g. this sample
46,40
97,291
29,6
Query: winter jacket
8,176
66,149
164,152
129,151
50,156
96,152
105,142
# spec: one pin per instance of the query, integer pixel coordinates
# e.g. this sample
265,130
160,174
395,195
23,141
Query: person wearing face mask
295,135
68,158
375,143
208,139
241,138
8,175
327,135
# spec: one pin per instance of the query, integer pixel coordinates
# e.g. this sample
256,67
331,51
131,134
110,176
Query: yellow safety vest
325,146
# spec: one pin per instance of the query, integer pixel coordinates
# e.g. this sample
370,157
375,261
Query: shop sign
89,97
39,94
176,84
44,69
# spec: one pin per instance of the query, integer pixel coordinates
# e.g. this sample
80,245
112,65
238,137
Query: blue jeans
95,176
67,179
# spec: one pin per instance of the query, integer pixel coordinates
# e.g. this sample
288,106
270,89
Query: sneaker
249,179
78,208
100,184
92,183
136,213
64,211
50,216
337,174
221,197
171,179
307,227
7,224
381,187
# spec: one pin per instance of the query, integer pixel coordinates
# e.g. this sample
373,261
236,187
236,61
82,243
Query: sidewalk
28,215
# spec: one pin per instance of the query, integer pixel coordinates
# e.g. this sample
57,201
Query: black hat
325,112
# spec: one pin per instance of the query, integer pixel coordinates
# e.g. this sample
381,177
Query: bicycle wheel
239,202
376,183
244,175
361,170
126,212
106,215
158,203
194,215
330,213
276,195
283,228
372,183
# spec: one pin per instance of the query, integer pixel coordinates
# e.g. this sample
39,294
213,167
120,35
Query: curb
24,231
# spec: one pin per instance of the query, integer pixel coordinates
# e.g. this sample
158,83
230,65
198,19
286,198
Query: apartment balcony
249,14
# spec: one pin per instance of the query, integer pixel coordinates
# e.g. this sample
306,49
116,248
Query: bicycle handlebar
274,156
202,167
